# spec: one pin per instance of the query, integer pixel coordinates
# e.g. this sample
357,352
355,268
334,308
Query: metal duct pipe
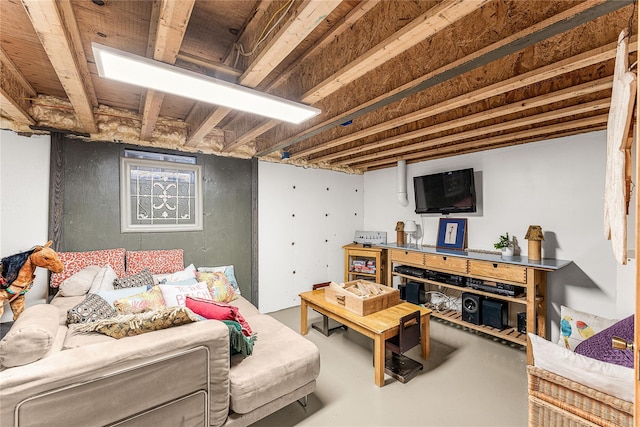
402,183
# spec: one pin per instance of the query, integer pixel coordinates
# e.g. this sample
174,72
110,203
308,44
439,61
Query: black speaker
522,322
415,292
403,291
471,308
494,314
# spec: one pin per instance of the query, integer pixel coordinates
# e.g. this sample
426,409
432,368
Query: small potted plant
505,244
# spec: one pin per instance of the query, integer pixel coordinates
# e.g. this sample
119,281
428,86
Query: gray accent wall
91,209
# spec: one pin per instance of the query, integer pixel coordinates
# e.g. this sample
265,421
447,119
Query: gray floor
469,380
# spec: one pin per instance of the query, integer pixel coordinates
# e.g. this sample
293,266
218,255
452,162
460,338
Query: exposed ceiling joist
293,31
258,127
15,91
543,132
480,132
494,113
54,22
171,25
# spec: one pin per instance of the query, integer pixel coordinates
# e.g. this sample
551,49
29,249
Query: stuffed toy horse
17,274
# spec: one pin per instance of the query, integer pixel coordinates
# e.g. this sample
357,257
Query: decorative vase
507,252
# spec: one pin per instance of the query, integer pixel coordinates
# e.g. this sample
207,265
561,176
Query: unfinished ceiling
412,80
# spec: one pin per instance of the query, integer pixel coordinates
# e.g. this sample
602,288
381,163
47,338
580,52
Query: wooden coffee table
378,326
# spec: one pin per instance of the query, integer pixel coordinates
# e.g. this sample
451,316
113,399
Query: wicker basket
559,402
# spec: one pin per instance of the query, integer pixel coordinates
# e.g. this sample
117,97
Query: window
158,196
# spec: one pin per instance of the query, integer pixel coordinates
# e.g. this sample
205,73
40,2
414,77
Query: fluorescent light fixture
140,71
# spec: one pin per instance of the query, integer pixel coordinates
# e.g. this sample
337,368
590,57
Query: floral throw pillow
128,325
91,309
156,261
219,286
76,261
143,278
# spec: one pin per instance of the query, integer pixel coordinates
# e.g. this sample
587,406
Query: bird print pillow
576,326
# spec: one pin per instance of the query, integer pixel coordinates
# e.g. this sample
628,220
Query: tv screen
445,192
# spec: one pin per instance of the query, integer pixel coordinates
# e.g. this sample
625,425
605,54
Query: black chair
397,364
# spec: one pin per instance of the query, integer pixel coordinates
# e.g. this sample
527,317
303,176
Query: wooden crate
362,305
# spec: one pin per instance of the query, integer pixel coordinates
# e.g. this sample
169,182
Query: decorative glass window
159,196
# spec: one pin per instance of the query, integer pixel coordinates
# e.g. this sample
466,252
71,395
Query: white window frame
128,164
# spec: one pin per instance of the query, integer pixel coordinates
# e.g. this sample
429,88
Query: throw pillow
112,296
608,378
93,308
127,325
145,301
228,271
599,346
576,326
103,280
30,337
76,261
220,288
80,283
189,281
175,295
157,261
143,278
210,309
178,276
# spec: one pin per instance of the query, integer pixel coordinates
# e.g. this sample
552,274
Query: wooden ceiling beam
167,34
258,126
562,113
424,26
293,31
550,27
494,113
550,71
478,148
55,24
15,91
491,141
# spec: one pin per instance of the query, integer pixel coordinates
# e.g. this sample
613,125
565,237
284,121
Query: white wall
305,217
24,202
557,184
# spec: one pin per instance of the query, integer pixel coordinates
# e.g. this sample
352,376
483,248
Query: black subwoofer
494,314
415,292
472,308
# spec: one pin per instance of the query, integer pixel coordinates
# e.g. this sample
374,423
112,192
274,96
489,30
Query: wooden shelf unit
516,271
356,251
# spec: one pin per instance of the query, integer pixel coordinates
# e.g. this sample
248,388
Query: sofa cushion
104,280
576,326
76,261
92,308
599,346
292,362
156,261
138,303
80,282
128,325
142,278
30,337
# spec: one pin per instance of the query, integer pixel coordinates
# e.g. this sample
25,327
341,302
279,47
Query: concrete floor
470,379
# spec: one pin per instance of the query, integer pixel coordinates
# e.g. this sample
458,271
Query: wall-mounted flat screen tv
445,192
